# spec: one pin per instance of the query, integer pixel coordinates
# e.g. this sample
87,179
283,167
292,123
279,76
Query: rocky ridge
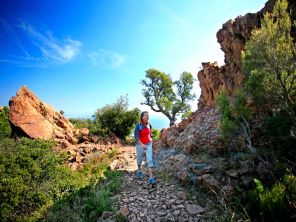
31,117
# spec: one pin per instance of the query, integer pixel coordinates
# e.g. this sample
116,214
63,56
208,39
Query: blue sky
81,55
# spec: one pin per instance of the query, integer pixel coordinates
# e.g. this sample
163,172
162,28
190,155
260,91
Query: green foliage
240,109
276,204
89,203
277,129
160,96
155,134
228,125
32,176
5,129
186,115
117,119
86,123
269,62
233,114
259,186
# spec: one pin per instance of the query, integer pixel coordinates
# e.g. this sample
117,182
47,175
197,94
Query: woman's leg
139,150
149,156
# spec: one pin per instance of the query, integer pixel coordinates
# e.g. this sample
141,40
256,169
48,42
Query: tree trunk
172,122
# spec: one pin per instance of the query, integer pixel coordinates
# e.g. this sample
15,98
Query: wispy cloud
13,36
52,48
27,38
103,57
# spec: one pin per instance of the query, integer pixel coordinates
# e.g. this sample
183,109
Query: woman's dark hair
142,115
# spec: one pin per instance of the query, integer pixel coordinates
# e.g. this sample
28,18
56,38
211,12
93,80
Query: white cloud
52,48
103,57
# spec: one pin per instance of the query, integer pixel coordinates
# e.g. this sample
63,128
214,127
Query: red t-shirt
145,134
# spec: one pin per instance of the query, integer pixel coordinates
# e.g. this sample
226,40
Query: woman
144,143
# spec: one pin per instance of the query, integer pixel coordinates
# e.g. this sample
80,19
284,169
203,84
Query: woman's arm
136,134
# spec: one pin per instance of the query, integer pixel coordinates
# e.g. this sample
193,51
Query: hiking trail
168,201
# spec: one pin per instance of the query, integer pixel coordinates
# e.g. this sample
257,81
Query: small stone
194,209
232,173
149,219
181,206
157,219
71,152
176,212
161,213
74,166
182,195
169,202
124,211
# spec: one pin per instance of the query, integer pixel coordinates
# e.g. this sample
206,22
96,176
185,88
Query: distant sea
157,122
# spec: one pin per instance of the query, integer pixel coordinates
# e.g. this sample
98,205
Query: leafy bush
277,128
155,134
269,62
228,124
116,118
86,123
5,129
32,176
89,203
276,204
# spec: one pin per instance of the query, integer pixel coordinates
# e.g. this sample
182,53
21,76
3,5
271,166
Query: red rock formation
31,117
201,130
232,37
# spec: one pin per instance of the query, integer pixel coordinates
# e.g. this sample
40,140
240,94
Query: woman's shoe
152,181
139,175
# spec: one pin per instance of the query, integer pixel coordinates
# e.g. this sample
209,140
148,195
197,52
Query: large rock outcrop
30,117
201,130
232,37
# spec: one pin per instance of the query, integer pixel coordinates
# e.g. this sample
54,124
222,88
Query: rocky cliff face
201,131
31,117
232,37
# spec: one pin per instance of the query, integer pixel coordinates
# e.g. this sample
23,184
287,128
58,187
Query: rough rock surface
31,117
232,37
190,188
168,201
199,132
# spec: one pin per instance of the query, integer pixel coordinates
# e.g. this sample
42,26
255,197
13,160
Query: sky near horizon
79,55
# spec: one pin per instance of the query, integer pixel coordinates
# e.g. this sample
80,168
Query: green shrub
87,123
228,123
89,203
269,63
116,118
32,177
277,129
155,134
277,203
5,129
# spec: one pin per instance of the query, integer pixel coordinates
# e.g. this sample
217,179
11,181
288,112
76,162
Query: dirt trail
168,201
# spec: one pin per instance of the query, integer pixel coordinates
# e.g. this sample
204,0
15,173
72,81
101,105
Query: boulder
30,117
